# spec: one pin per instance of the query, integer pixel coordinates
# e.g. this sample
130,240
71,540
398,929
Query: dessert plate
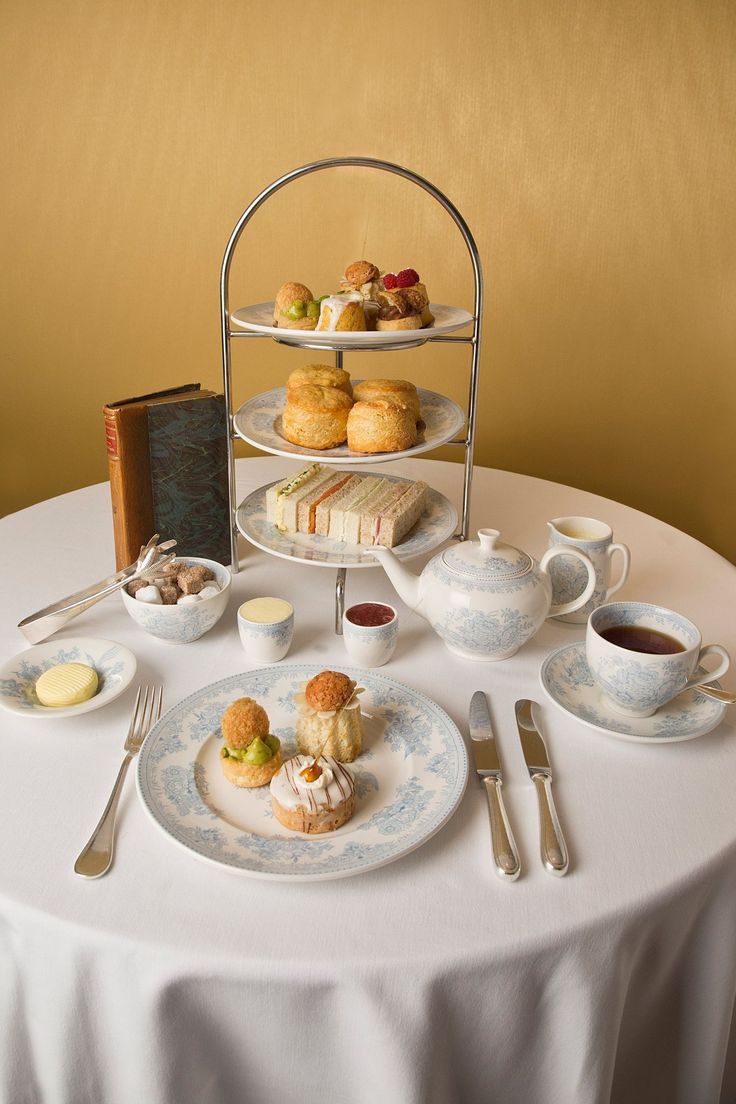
409,780
437,523
115,667
258,422
567,680
258,318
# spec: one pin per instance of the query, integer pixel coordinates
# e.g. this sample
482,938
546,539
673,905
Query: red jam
370,613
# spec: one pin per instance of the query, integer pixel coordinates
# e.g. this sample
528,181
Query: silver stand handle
551,840
96,858
505,853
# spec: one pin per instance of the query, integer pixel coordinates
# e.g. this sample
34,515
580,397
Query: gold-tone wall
588,143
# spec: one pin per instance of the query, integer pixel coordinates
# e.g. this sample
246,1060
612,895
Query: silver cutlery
488,769
151,559
717,694
96,857
552,843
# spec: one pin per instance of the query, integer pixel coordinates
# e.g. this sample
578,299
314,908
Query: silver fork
96,857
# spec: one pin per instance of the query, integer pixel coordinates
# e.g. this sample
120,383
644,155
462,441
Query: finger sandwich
395,523
282,500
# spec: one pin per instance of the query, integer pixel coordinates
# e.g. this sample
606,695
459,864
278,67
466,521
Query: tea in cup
641,656
568,575
266,627
370,631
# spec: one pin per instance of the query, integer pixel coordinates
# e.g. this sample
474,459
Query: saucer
566,679
115,666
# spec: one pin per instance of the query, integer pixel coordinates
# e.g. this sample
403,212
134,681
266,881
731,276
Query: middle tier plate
258,421
437,524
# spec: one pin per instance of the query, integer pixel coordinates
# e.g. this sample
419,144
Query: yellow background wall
588,143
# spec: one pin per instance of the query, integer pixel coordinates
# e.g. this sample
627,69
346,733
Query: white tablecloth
428,981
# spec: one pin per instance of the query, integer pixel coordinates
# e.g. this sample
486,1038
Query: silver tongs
151,560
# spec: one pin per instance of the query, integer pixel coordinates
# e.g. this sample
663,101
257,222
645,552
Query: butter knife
551,841
488,769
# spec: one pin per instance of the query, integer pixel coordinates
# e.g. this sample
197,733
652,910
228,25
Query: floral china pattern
566,678
258,421
409,779
115,667
177,630
436,524
479,633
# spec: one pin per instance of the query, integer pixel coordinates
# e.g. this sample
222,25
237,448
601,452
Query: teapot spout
406,584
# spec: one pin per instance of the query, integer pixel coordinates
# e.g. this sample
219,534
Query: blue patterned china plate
409,779
567,680
258,421
115,666
436,525
258,318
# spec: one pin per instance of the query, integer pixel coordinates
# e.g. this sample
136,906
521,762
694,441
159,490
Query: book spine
126,440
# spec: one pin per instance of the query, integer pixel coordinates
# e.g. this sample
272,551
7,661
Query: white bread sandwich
341,527
396,522
282,500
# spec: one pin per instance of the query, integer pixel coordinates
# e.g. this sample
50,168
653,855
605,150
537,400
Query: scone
295,308
329,721
399,390
250,755
325,375
316,417
313,796
381,425
342,313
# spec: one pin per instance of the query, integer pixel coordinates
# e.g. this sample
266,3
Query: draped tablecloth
428,981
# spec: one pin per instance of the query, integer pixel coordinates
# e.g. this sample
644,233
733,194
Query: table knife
488,769
551,840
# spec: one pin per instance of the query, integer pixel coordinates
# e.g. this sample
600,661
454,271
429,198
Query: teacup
568,575
266,627
370,631
641,656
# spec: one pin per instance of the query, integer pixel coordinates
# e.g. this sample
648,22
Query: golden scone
313,801
325,375
290,307
316,417
329,720
250,755
381,425
399,390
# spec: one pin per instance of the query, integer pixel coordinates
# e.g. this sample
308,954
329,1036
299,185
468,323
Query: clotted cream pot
483,598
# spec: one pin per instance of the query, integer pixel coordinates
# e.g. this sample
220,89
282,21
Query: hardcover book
177,467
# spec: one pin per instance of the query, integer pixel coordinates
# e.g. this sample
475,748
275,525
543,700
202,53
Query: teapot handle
576,603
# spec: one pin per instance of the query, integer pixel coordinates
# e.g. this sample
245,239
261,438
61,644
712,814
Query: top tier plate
259,319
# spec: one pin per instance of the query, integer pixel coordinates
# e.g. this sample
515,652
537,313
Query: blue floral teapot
483,598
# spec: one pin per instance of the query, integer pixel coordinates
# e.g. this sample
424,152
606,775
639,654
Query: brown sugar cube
170,594
136,585
171,570
192,579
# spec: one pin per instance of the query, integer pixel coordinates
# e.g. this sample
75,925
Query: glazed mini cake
313,796
329,721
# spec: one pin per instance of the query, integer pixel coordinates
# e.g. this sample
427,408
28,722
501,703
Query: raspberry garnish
407,278
390,281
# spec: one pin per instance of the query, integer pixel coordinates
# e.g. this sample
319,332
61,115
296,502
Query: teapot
483,598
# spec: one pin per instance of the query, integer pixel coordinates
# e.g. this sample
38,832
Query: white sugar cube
209,591
150,594
187,599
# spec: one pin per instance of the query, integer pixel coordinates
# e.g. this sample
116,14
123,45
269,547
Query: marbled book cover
187,442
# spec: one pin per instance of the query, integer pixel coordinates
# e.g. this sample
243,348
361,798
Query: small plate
566,679
437,524
409,779
258,318
258,421
115,667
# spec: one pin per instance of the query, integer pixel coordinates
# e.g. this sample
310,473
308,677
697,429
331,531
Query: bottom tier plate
437,524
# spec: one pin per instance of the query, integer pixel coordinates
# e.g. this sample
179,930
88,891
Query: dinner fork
96,857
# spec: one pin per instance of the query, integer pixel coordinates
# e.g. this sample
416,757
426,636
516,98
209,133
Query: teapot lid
487,559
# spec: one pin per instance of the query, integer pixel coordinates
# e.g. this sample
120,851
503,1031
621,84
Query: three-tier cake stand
257,422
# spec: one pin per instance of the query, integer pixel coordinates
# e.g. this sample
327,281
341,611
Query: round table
427,981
